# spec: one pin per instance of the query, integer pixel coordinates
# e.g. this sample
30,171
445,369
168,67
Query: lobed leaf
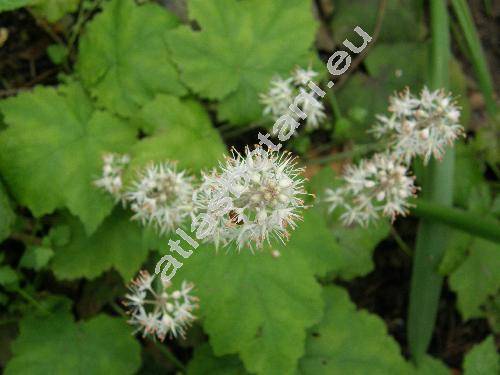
51,155
204,362
118,243
179,130
477,278
482,359
124,60
259,305
347,341
55,344
240,47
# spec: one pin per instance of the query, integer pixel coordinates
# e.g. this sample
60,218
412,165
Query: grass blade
478,59
437,186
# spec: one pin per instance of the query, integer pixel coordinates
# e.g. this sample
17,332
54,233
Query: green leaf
124,60
400,22
36,257
469,171
354,245
492,312
357,245
118,243
6,5
7,215
59,235
240,47
256,305
181,130
57,53
389,71
482,359
348,341
204,362
313,241
55,344
7,276
455,252
477,277
54,10
51,155
432,366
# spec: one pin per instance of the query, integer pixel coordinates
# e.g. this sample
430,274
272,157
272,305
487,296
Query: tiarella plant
127,132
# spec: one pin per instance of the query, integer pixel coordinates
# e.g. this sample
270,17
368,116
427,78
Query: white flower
379,187
161,196
278,98
283,92
161,311
112,170
303,76
422,126
253,198
313,108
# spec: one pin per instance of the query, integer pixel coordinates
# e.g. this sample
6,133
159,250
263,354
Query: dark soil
385,292
23,59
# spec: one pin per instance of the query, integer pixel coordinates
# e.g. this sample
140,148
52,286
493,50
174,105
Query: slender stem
401,243
356,151
239,130
8,321
483,226
335,106
359,58
75,30
31,300
40,22
80,21
165,351
26,238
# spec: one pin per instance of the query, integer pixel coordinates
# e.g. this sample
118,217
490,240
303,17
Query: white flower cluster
381,186
161,196
112,170
420,126
377,187
292,90
160,311
251,198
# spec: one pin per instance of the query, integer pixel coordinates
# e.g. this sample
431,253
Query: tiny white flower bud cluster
283,93
375,188
156,310
420,126
112,170
161,196
253,197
